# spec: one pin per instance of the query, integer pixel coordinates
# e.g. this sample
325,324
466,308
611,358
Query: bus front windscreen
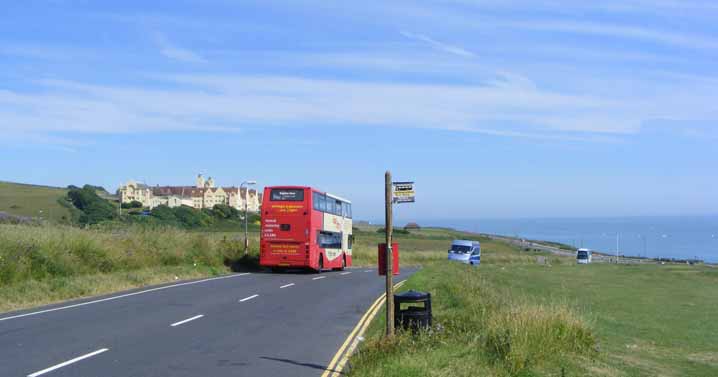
582,255
287,195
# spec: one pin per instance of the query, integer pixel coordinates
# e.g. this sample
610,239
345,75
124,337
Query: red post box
394,258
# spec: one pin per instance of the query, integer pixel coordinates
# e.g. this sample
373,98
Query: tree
164,213
132,204
223,211
188,216
94,209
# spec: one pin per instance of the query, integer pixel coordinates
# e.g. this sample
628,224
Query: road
597,257
255,324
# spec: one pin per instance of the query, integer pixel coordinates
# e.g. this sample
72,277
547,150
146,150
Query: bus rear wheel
344,264
321,263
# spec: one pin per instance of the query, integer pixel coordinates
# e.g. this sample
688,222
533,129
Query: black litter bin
416,312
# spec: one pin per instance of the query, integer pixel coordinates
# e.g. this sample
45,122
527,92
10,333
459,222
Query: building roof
181,191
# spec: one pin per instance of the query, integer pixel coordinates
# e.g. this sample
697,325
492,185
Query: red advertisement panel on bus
305,228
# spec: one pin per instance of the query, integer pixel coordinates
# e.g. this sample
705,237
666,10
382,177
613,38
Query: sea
679,237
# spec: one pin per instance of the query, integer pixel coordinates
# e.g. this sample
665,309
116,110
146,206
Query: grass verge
46,264
35,293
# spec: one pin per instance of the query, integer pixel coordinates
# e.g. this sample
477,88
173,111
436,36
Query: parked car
464,251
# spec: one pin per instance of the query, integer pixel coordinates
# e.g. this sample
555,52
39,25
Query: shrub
94,209
224,211
164,213
132,204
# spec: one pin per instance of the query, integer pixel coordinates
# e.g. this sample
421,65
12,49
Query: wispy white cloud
438,45
510,106
617,30
45,52
174,52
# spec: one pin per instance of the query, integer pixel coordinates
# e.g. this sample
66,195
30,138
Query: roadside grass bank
35,293
46,264
559,319
480,330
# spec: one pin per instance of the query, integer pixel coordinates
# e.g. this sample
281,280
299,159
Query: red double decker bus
305,228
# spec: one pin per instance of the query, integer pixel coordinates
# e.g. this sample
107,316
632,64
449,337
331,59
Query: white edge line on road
345,273
336,366
319,277
68,362
187,320
287,285
367,270
339,366
121,296
248,298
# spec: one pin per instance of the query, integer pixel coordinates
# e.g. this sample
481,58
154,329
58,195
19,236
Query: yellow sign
403,192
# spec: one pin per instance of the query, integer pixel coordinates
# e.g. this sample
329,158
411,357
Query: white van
583,256
464,251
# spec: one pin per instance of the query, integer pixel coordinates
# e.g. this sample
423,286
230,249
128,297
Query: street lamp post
246,200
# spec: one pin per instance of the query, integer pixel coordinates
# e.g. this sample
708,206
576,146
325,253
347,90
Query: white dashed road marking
248,298
187,320
68,362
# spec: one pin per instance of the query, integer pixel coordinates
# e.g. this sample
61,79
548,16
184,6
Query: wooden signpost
388,226
395,192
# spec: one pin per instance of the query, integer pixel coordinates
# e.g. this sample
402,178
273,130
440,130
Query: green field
32,201
514,317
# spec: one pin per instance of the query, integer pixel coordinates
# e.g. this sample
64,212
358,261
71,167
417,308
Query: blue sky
495,108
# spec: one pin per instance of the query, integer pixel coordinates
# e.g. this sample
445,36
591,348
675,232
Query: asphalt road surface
256,324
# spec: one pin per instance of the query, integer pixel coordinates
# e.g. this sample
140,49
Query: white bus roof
338,198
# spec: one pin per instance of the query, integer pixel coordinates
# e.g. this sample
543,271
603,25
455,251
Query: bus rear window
287,195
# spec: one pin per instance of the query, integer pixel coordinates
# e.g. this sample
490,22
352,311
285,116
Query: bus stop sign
402,192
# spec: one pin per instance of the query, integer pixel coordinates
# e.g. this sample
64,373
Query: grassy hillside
28,200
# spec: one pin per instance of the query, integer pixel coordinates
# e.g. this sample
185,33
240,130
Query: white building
203,195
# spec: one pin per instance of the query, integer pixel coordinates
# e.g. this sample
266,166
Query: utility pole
389,263
617,246
119,206
246,216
